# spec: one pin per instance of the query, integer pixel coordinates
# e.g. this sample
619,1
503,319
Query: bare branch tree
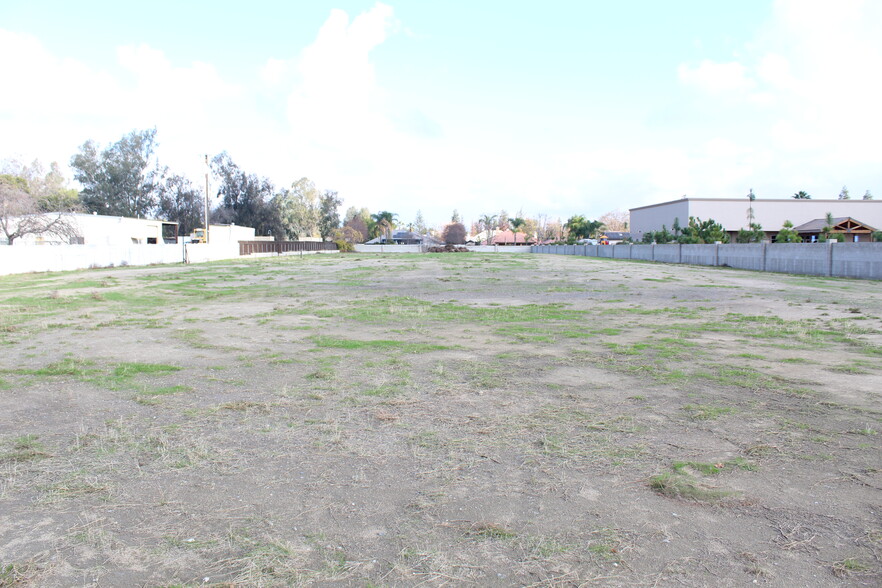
20,213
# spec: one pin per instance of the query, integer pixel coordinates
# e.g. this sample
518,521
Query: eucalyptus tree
123,179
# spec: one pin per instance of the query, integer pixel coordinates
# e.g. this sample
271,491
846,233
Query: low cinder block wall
798,258
622,251
21,259
667,253
845,260
699,254
643,252
742,255
361,248
857,260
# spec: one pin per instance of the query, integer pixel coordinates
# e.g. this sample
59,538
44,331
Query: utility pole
206,198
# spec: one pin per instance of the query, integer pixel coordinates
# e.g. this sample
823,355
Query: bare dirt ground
450,419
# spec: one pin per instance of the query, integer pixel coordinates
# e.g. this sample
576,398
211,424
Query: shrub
454,234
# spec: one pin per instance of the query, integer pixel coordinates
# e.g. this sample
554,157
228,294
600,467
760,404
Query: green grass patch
79,368
677,485
490,531
167,390
327,342
404,308
24,448
712,469
130,370
706,412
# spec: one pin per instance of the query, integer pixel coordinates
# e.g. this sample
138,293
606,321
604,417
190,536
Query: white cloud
798,101
717,78
58,102
338,101
274,71
806,86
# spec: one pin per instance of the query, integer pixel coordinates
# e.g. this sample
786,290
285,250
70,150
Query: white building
95,229
733,213
229,234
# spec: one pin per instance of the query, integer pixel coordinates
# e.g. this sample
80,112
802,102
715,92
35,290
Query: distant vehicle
587,241
198,236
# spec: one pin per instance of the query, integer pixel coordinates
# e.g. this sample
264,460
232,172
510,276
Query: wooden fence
280,247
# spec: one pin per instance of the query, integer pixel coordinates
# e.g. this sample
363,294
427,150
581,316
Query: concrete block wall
857,260
21,259
622,251
698,254
667,253
643,252
742,255
845,260
799,258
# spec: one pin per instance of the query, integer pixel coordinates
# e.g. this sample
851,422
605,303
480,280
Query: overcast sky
553,107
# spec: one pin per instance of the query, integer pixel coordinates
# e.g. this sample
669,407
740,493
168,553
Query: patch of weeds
546,547
194,338
750,356
79,368
130,370
245,405
322,373
16,574
425,440
150,396
386,390
868,431
674,485
123,373
403,346
279,361
267,562
848,566
24,448
706,412
389,309
848,369
490,531
712,469
73,486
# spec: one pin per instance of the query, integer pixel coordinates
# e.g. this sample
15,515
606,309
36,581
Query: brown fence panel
280,247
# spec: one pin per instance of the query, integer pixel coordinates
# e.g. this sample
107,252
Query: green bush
344,246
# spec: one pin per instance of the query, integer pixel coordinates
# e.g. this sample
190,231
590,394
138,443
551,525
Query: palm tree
383,223
802,195
516,224
827,231
750,197
488,223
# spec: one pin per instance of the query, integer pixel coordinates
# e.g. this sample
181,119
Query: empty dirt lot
450,419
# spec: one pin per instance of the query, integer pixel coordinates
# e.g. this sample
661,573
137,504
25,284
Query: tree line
125,178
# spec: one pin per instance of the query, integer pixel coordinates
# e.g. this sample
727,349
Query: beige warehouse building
771,214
